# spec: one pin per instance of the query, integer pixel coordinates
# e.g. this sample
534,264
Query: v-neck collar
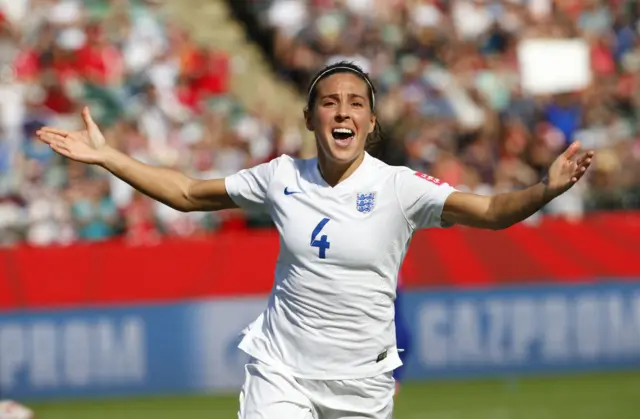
357,174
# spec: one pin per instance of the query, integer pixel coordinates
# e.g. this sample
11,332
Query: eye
357,104
328,103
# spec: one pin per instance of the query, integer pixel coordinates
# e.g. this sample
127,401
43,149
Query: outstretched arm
504,210
168,186
165,185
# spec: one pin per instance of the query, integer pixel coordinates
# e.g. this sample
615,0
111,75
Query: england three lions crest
365,202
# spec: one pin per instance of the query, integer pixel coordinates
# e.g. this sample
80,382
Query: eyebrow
337,96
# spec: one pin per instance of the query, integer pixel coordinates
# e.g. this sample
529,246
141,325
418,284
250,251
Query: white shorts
268,393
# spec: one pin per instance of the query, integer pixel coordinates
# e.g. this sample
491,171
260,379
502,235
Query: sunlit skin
342,102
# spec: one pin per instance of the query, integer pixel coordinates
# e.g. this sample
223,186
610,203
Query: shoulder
411,185
396,177
288,165
294,162
383,171
283,169
283,159
405,176
269,168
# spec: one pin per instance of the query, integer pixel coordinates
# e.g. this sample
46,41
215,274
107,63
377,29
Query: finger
576,176
579,173
60,148
586,157
54,131
584,165
88,120
50,138
572,150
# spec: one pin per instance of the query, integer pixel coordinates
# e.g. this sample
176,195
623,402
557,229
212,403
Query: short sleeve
248,188
422,198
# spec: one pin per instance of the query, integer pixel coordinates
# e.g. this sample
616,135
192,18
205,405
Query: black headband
353,70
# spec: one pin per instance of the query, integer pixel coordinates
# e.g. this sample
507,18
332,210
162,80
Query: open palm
567,169
86,146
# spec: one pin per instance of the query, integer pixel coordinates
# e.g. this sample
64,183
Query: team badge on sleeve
431,179
365,202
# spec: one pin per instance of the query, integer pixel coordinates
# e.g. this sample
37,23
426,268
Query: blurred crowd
450,86
157,94
450,99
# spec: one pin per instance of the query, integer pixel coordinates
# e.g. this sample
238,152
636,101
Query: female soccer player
325,346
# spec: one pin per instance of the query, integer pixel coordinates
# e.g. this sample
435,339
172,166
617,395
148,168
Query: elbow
495,219
497,223
186,201
183,208
178,205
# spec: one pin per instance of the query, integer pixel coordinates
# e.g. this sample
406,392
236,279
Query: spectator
161,96
449,75
450,99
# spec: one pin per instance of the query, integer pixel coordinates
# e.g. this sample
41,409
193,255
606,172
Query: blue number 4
321,244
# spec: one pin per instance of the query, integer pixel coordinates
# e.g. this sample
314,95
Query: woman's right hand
86,146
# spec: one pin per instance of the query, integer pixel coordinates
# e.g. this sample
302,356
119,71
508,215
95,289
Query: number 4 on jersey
321,244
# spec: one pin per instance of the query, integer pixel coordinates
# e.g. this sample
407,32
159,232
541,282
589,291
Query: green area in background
593,396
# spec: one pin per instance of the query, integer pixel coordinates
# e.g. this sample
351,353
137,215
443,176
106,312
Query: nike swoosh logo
288,192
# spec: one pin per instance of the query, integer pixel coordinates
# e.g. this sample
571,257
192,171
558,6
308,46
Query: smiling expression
341,117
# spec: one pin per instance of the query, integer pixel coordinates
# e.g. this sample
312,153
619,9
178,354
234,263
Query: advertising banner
523,330
192,347
130,351
241,263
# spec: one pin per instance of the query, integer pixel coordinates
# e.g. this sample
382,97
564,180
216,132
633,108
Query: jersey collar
359,173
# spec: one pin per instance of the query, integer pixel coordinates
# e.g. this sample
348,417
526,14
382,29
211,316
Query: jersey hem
388,367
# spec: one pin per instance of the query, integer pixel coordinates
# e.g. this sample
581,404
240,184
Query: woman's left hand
567,169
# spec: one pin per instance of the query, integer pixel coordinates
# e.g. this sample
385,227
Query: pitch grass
593,396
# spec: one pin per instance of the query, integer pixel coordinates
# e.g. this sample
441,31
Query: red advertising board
602,247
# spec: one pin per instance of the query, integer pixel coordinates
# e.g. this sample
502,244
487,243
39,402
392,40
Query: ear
373,123
308,119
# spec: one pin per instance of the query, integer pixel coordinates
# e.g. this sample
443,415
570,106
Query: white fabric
269,393
331,312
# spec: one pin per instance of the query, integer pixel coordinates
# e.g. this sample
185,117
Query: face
341,117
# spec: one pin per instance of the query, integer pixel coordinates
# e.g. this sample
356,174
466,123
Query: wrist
548,194
108,155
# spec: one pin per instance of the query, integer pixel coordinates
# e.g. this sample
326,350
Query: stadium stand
171,87
450,80
159,94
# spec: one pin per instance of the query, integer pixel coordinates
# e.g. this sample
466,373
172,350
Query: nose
343,112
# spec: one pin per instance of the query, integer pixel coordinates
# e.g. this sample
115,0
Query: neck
334,172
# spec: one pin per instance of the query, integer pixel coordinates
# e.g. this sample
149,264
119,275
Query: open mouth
343,136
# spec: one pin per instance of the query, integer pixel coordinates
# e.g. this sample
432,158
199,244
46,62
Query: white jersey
330,315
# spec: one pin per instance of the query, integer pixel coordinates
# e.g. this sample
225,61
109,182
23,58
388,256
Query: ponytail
376,143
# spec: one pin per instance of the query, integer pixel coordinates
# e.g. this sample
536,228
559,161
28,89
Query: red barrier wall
603,246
